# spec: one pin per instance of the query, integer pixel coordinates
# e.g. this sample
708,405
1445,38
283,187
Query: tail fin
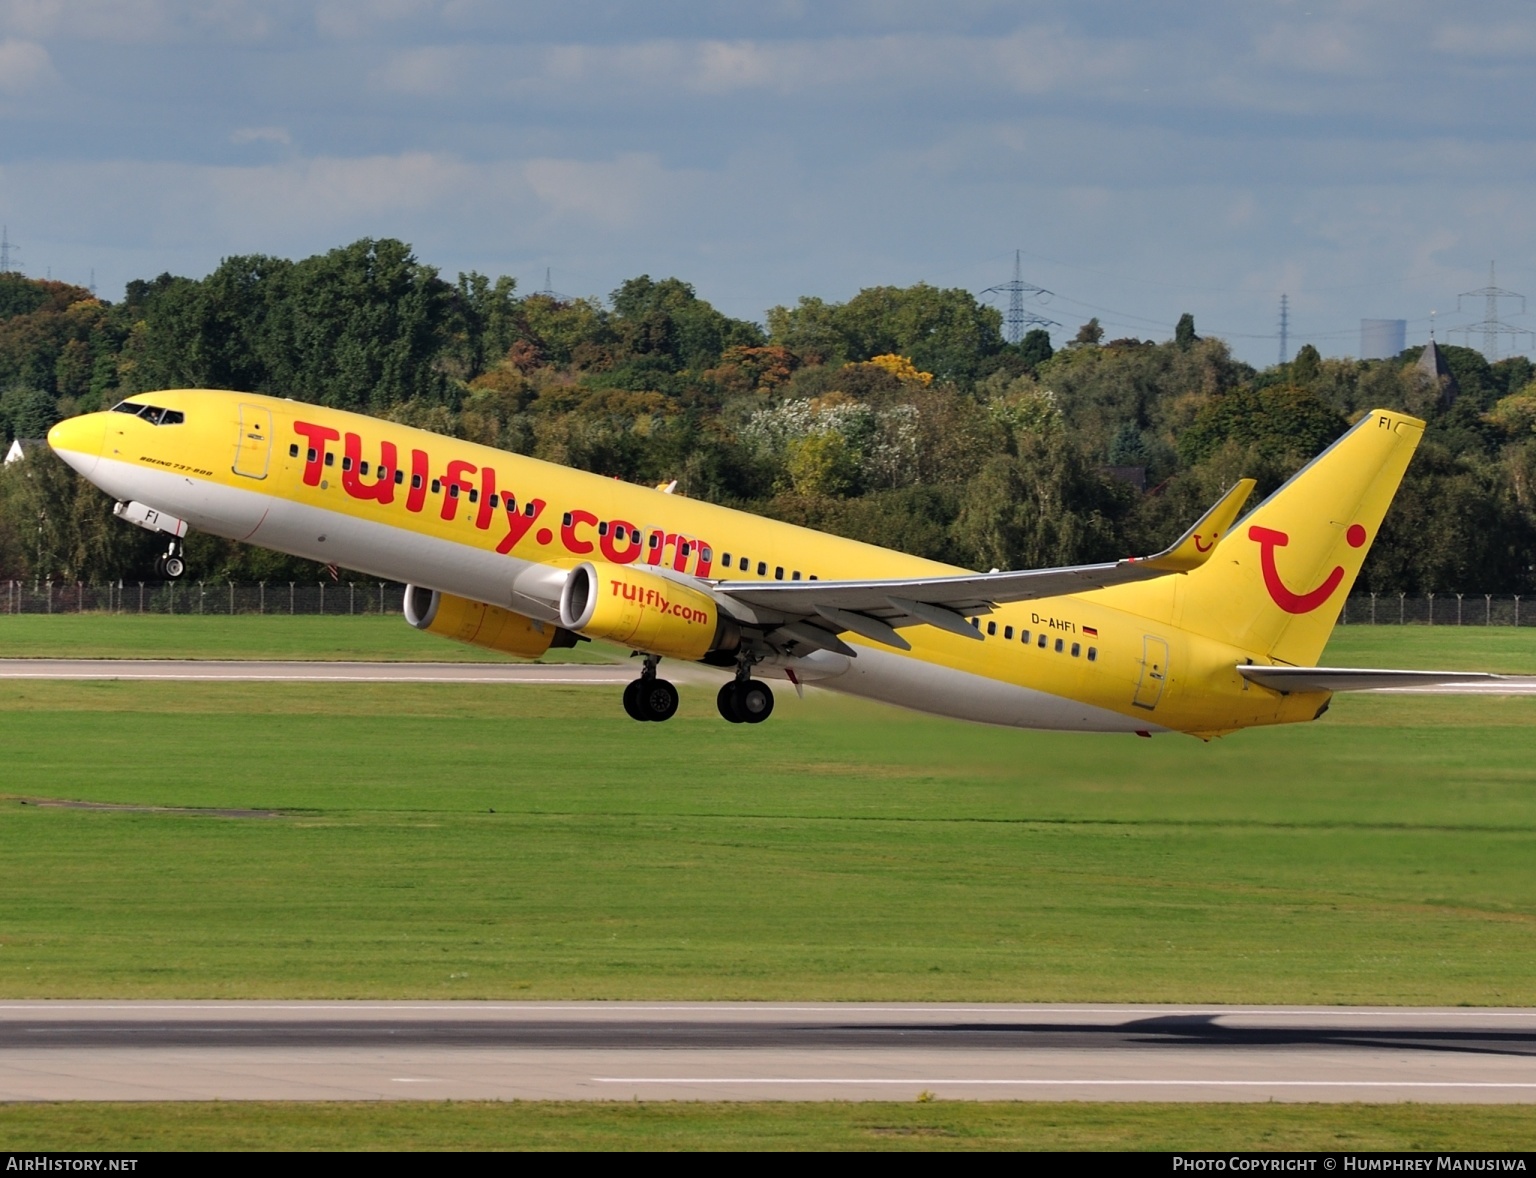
1276,583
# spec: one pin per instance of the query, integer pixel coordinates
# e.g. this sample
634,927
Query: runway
549,674
759,1051
197,670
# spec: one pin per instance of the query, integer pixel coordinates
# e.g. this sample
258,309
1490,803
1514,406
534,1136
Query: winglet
1194,547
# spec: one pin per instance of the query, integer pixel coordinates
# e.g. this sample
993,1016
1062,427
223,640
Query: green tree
1184,333
945,332
1035,348
1307,365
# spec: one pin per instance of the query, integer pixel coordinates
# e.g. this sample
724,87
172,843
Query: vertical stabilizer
1276,583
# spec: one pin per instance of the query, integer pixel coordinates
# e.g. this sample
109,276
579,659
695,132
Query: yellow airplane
1218,633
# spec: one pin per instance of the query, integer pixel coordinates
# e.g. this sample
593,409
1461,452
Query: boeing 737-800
1218,633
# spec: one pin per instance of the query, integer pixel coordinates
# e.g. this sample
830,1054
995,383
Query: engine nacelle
645,612
480,624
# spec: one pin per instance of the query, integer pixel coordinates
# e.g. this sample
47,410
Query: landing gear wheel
632,700
174,566
754,701
160,566
726,702
655,699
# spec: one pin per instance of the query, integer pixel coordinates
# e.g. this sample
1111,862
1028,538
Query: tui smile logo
1205,547
1297,603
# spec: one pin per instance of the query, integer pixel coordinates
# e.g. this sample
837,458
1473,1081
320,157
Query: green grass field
250,636
592,1125
488,842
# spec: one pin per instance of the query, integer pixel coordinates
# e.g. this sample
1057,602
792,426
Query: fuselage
407,505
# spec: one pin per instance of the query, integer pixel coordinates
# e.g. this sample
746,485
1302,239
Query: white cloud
261,135
428,72
1496,40
24,66
350,20
138,21
610,194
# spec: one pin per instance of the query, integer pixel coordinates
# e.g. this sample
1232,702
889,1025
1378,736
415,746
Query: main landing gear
745,700
649,697
171,564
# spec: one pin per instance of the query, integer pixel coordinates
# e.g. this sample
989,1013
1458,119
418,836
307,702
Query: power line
1492,326
1018,320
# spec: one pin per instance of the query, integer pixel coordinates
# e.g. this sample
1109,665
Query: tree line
900,416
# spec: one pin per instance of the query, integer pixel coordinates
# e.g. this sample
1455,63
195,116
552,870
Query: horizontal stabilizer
1289,679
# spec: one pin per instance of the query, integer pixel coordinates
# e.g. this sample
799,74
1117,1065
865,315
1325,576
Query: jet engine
480,624
644,612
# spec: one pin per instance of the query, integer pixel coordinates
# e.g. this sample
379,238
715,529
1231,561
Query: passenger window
602,528
1093,654
399,476
346,463
528,510
567,519
1008,632
814,577
1024,637
330,459
416,482
453,492
1042,642
795,576
495,502
762,568
312,456
724,560
362,468
706,555
1077,649
436,486
655,540
976,622
620,533
991,627
1059,645
745,564
293,450
778,573
474,495
684,550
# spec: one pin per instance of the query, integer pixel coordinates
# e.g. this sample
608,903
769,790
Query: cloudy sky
1367,157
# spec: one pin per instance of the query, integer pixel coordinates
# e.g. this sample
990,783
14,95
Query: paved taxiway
53,1050
197,670
561,674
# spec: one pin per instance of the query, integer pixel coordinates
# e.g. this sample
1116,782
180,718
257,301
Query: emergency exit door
253,450
1154,672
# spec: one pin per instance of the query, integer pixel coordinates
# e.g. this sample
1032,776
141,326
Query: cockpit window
150,413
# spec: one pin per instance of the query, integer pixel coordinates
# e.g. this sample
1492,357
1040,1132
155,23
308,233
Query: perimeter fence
383,597
203,597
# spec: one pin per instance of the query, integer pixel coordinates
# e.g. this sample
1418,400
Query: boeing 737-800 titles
1219,632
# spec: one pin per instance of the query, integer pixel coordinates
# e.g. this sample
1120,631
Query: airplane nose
79,441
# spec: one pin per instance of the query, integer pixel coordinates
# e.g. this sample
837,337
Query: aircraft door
1154,672
253,449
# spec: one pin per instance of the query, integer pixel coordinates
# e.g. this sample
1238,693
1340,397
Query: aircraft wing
1289,679
813,612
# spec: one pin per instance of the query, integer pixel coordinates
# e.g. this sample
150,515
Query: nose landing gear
650,697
